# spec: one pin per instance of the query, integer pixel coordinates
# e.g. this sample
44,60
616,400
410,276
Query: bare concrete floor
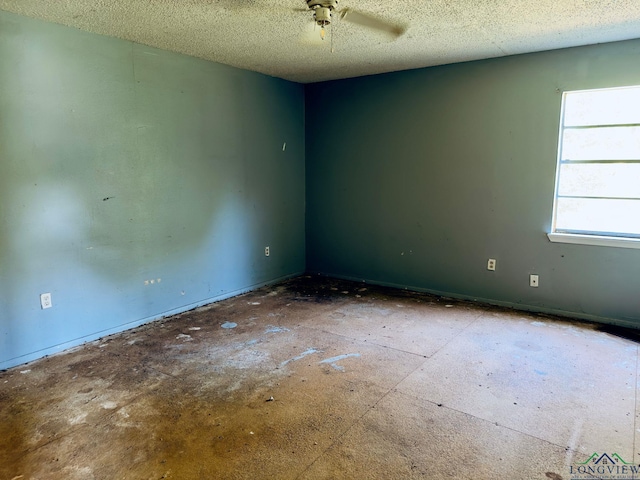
324,379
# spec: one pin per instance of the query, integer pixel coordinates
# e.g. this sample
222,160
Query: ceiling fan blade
369,21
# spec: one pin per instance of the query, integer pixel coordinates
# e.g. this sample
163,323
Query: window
597,196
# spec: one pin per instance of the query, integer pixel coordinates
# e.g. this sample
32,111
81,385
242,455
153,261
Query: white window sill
594,240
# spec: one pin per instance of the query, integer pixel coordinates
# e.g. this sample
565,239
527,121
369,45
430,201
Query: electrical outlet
266,251
491,264
45,300
533,280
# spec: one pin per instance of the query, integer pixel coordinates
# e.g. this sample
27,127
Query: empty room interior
309,240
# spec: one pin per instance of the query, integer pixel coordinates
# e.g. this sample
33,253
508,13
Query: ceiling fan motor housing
322,10
322,16
330,4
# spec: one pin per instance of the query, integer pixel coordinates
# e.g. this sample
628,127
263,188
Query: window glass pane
609,143
602,107
620,180
599,166
605,216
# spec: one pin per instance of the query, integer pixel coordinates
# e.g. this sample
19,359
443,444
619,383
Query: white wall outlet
491,264
266,251
533,280
45,300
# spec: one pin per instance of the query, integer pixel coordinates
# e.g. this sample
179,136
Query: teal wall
120,164
416,178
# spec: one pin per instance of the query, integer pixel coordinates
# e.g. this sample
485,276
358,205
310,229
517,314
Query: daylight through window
598,175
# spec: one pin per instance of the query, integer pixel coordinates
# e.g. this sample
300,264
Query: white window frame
584,238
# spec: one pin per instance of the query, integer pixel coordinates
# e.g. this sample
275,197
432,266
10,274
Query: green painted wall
120,164
416,178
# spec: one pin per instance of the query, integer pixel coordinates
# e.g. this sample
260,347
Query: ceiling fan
323,13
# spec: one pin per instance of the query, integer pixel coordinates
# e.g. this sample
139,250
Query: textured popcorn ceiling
276,37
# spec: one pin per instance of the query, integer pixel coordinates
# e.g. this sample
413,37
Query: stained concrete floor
317,378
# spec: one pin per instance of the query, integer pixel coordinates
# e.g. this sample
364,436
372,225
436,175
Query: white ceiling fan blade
369,21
